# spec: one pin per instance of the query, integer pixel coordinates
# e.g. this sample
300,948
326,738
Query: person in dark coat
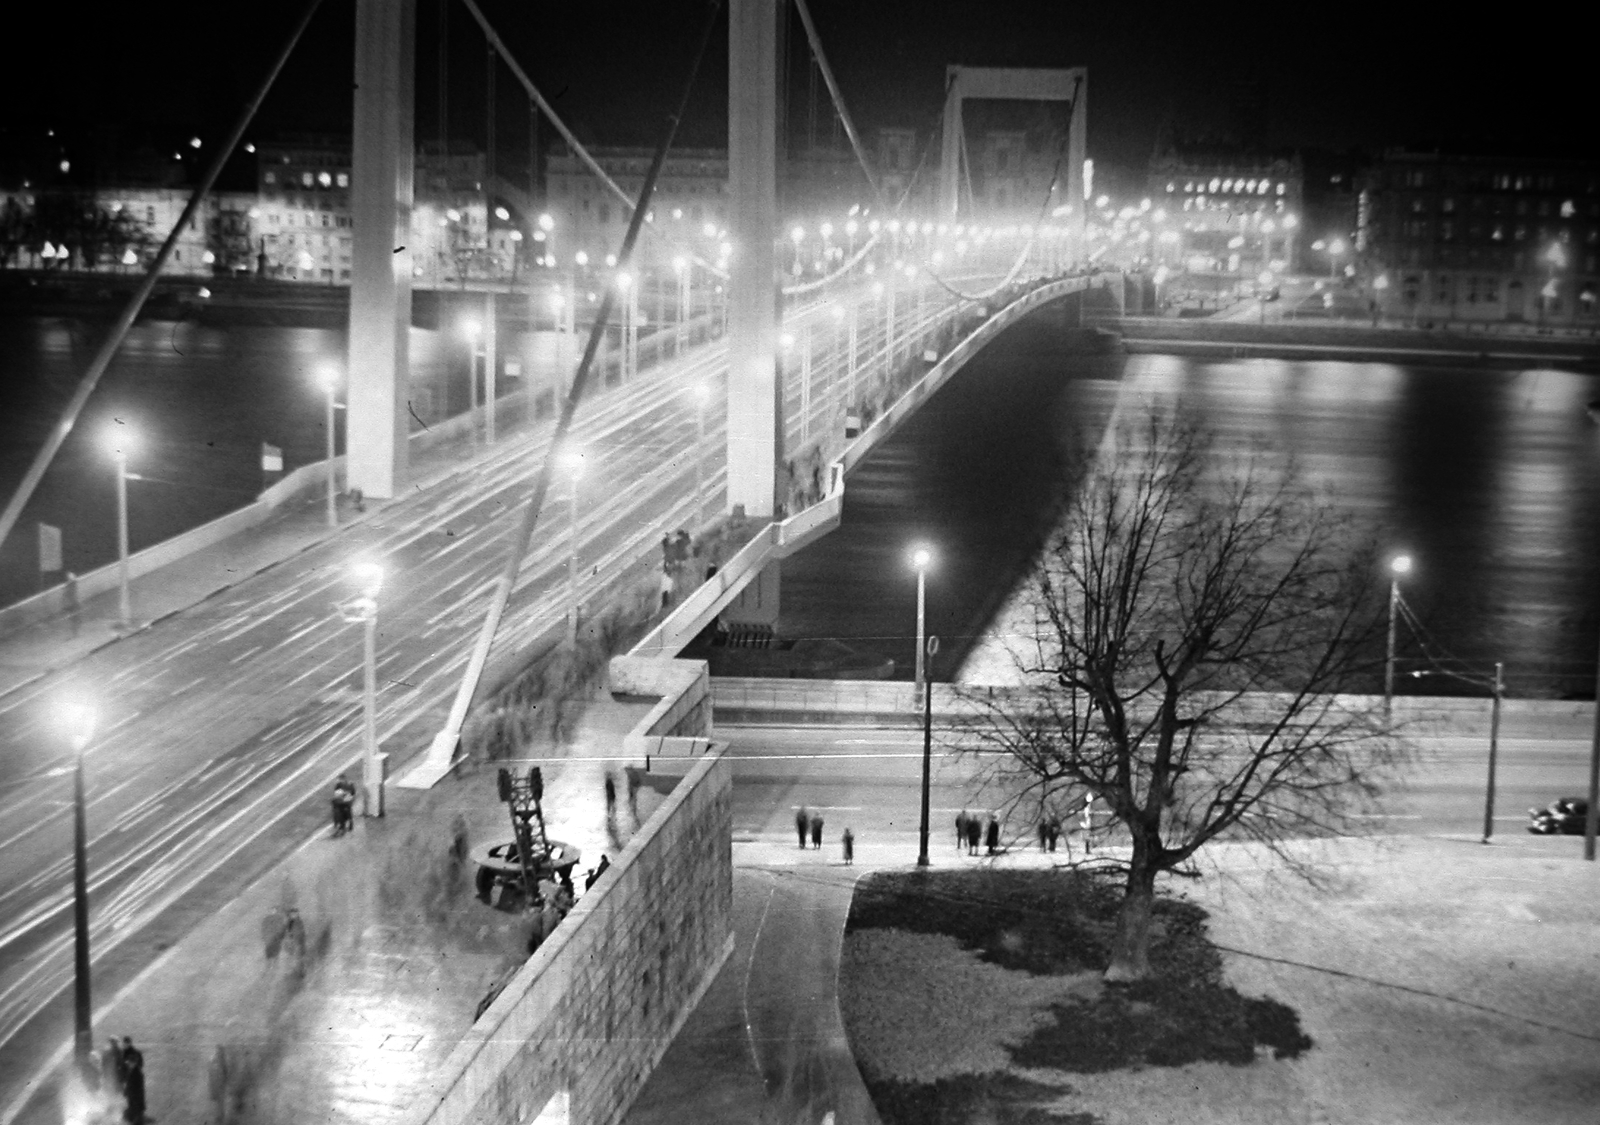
111,1070
974,834
802,821
961,829
133,1081
849,841
1044,832
993,836
1053,832
816,830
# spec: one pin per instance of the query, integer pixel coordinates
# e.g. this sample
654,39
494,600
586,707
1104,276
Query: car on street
1564,816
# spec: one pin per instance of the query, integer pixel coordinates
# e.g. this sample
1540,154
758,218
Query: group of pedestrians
808,827
122,1078
973,832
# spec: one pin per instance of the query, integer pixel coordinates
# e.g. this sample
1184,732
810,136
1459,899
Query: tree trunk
1130,952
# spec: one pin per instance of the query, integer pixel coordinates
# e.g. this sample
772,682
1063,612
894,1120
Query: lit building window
1215,184
324,179
1280,189
305,178
270,177
344,179
1171,186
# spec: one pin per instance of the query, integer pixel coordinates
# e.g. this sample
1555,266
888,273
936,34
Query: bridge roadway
225,720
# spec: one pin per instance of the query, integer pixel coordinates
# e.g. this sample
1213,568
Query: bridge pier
755,411
381,188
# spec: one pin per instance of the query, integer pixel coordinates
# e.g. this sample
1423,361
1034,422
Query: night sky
1334,75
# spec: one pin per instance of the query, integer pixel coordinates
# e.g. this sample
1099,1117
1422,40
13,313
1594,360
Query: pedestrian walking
816,830
802,821
294,934
974,834
993,836
849,841
594,876
344,800
111,1073
1053,832
133,1081
961,829
1044,833
1088,825
666,589
611,796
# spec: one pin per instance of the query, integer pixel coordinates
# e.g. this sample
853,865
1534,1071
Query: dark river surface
1489,478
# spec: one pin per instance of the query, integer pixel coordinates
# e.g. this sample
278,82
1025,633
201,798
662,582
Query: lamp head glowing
370,576
921,557
328,376
1400,565
119,440
76,719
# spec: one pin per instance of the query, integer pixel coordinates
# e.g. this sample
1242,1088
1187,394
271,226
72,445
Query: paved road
220,721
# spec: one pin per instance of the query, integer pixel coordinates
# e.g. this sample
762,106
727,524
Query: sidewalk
393,968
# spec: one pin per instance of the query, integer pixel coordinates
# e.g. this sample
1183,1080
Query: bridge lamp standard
76,721
572,462
328,379
1399,567
1336,248
119,440
922,558
364,608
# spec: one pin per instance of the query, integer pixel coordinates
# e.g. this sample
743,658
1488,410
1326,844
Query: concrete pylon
755,407
381,166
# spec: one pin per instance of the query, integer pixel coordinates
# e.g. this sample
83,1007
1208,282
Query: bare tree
1200,620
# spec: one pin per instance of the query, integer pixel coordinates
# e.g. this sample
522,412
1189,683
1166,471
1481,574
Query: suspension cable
838,98
451,734
119,330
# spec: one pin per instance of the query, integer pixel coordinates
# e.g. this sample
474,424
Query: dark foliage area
1055,923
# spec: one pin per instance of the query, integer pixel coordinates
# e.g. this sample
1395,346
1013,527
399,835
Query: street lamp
471,329
328,377
702,396
1265,281
118,440
920,558
1335,249
1399,566
572,461
364,608
77,722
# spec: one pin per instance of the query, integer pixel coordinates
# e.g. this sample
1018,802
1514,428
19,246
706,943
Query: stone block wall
585,1021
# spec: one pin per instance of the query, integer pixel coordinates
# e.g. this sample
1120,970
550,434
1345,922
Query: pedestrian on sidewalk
344,799
961,829
802,821
993,836
611,796
816,830
1053,832
1044,832
594,876
1088,825
133,1081
666,589
294,935
111,1073
849,841
974,833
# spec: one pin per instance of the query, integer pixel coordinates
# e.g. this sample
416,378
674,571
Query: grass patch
1056,923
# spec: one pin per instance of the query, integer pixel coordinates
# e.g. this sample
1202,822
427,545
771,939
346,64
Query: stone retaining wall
578,1030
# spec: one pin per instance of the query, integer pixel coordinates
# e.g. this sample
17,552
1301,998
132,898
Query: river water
1489,479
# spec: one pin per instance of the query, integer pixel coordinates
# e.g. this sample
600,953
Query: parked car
1564,816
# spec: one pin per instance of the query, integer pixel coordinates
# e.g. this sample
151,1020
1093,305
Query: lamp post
364,608
118,439
680,264
572,461
78,722
1398,566
471,330
328,376
702,396
1265,281
920,558
1494,749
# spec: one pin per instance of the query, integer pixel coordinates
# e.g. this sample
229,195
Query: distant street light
1336,248
369,577
328,377
921,557
119,438
77,722
1399,566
